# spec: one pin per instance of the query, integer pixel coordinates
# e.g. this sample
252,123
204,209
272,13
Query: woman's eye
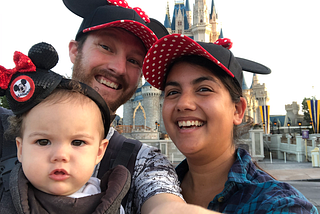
43,142
204,89
78,143
170,93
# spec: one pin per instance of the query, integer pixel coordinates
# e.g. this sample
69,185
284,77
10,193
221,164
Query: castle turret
213,20
167,22
201,28
151,104
188,13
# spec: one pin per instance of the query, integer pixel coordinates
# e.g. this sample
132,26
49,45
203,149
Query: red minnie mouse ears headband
99,14
31,81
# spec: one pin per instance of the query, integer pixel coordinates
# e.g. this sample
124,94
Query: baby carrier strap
8,151
120,151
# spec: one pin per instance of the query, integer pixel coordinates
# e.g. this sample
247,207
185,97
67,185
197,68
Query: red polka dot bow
23,64
124,4
224,42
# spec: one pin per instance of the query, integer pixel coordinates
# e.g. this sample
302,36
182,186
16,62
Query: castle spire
244,84
167,23
221,34
213,14
168,13
188,13
187,6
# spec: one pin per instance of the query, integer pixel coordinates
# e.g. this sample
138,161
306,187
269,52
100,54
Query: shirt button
220,199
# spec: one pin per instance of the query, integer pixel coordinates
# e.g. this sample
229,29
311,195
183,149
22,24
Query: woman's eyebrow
205,78
171,83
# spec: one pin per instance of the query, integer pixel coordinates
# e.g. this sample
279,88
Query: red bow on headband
123,3
23,64
224,42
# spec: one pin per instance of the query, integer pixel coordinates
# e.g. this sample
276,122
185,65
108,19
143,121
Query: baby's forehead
70,98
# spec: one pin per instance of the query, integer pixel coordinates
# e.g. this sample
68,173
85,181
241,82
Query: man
108,55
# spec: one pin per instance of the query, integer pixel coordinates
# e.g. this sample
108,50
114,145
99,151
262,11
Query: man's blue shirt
250,190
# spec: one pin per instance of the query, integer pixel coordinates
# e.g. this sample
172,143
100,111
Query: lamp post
275,124
156,123
299,123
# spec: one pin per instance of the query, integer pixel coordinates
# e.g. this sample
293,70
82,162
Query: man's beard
81,75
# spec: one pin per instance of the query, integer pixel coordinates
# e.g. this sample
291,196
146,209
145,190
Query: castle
142,114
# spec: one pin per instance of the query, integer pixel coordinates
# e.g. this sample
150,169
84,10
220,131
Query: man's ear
19,148
240,109
102,148
73,50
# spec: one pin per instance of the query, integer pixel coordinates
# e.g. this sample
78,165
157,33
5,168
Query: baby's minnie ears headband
31,78
31,81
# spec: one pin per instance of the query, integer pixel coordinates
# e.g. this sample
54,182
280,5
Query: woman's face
198,112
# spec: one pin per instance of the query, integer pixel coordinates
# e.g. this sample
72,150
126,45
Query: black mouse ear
253,67
159,29
43,55
83,7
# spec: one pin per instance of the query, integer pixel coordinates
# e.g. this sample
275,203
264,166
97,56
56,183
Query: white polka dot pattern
165,50
144,33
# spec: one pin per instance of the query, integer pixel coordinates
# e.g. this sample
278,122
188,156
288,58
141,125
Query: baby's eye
77,143
43,142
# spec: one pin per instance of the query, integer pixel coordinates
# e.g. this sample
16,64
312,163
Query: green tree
305,110
4,102
306,113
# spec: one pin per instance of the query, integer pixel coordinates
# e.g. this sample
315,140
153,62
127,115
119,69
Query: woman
203,107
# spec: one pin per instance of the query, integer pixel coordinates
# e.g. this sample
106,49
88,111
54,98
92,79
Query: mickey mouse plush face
22,88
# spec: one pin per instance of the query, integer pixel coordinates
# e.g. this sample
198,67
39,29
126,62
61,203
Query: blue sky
282,35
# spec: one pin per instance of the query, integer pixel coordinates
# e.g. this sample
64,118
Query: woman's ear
240,109
102,148
19,148
73,50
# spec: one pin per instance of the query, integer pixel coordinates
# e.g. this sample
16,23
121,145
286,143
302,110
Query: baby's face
60,145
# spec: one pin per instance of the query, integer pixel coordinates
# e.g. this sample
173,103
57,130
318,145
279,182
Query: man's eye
135,62
43,142
105,47
78,143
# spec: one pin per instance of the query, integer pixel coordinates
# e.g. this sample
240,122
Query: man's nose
117,64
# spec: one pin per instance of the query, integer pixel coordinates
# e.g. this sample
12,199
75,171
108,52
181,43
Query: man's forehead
122,35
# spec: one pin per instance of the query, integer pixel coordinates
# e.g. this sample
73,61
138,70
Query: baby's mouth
59,172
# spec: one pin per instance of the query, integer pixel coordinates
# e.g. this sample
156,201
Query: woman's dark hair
230,83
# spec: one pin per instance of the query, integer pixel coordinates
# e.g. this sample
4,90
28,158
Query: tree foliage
4,102
305,110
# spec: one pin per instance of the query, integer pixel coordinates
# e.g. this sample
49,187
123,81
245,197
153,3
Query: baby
60,127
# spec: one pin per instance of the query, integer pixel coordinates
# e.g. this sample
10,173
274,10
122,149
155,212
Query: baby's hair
73,92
